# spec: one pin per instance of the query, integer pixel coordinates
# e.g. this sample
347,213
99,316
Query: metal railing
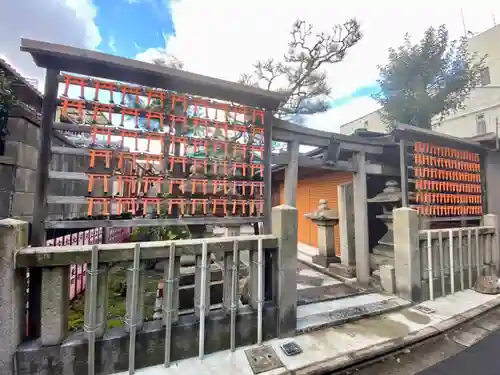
98,258
452,259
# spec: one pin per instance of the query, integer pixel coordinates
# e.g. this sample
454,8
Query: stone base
325,261
487,285
342,270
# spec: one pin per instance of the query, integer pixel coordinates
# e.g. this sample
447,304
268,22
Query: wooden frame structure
409,137
57,59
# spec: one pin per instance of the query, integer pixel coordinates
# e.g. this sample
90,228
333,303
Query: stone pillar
347,265
55,305
361,220
285,225
13,236
491,220
407,254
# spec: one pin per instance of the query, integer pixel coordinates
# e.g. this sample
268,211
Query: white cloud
112,44
68,22
237,33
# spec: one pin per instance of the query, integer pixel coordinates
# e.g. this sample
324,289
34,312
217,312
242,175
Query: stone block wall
18,166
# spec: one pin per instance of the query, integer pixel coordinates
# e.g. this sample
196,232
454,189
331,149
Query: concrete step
326,293
325,314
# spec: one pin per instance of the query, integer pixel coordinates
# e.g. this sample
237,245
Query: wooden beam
98,64
40,209
133,223
54,256
403,165
268,173
292,174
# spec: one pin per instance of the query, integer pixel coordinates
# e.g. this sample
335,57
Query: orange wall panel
309,193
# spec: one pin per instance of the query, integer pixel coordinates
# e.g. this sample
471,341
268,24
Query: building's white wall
487,43
483,100
372,121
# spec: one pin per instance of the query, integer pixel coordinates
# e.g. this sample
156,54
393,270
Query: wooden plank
87,129
133,223
53,256
59,199
61,175
77,151
277,159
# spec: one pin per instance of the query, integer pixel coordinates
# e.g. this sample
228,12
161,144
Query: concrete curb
369,353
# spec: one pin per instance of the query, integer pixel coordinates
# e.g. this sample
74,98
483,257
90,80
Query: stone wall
18,167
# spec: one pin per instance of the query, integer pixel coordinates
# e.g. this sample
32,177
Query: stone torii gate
336,152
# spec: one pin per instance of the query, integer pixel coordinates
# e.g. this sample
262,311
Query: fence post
284,226
13,236
407,254
491,220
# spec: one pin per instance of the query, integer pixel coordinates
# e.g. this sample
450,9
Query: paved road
470,349
482,358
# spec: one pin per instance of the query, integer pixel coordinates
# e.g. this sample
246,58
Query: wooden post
403,162
292,173
40,202
268,149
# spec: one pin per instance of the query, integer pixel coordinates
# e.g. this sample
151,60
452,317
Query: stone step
326,293
389,253
321,315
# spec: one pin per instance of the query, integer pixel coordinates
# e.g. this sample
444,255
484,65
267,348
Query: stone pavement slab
333,348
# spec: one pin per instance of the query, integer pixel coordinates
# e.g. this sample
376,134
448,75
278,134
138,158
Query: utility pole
463,22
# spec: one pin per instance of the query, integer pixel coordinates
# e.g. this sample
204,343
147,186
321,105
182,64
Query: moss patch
116,299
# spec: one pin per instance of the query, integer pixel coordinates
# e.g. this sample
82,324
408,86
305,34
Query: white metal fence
452,259
98,258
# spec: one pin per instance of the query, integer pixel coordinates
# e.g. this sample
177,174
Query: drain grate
262,359
424,309
291,348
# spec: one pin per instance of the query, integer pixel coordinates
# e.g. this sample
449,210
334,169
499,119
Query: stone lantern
325,218
389,199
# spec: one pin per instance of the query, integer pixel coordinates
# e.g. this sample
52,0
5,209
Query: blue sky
129,27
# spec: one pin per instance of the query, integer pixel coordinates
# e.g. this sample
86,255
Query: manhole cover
262,359
291,348
424,309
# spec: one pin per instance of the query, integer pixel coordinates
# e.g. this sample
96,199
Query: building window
480,124
484,76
